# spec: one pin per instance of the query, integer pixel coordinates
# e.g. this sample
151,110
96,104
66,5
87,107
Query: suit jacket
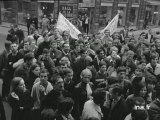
79,65
24,101
80,95
96,64
2,111
3,60
119,111
35,22
154,110
28,21
20,35
69,87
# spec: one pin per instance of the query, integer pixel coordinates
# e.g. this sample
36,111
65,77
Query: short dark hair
65,105
142,61
45,51
44,71
153,56
117,88
67,71
82,51
98,95
121,69
7,44
150,79
102,63
80,34
112,80
138,84
139,115
55,78
29,56
33,67
98,51
68,33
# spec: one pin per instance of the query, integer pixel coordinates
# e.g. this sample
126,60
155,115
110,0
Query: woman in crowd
33,76
20,100
80,66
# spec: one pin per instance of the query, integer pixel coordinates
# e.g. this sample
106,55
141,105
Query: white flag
64,24
112,26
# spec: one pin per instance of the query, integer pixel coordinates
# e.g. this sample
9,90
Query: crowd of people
51,76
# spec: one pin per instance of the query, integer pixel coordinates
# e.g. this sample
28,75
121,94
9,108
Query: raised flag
64,24
112,26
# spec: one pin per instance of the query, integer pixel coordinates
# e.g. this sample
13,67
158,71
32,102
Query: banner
112,26
64,24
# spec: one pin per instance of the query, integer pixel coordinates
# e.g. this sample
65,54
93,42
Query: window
8,11
104,1
19,6
105,15
80,1
135,1
123,1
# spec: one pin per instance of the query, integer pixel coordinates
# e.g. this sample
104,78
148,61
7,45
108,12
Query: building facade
127,9
100,12
153,12
131,12
15,11
69,8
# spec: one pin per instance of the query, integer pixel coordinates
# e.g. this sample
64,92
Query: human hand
41,89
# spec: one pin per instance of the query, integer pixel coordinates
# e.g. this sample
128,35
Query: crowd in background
48,75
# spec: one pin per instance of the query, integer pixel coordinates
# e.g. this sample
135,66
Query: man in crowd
66,66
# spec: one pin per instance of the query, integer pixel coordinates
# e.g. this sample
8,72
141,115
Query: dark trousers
28,28
2,112
86,28
36,114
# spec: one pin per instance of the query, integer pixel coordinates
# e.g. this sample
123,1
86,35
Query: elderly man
83,90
